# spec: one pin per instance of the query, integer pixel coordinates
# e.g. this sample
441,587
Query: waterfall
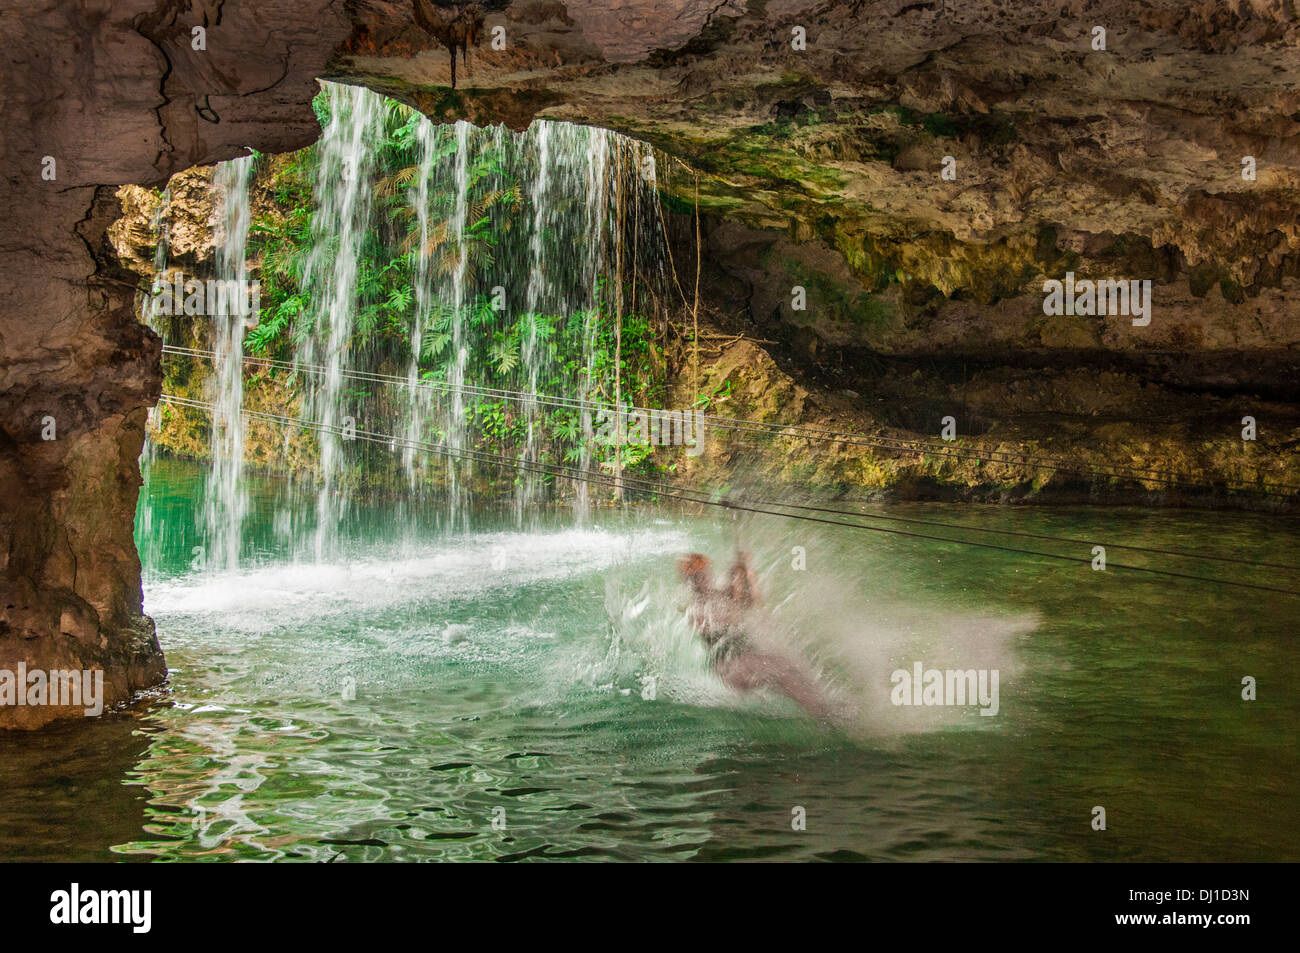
145,528
458,468
161,224
574,197
225,505
534,299
418,402
418,264
597,228
340,227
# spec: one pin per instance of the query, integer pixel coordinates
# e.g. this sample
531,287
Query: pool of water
506,695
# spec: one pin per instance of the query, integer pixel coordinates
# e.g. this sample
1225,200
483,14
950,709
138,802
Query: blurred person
721,616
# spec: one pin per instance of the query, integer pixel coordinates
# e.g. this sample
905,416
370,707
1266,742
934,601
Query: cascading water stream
597,227
341,224
457,469
160,226
226,505
536,295
417,398
572,195
442,256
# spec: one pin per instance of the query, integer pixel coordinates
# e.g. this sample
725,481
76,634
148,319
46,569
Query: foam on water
845,626
385,575
386,706
579,614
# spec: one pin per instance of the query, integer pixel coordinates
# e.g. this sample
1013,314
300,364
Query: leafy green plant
576,354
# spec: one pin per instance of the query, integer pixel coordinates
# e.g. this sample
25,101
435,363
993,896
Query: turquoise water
396,701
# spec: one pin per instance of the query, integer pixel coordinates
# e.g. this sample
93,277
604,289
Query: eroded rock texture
822,167
818,166
1118,162
113,93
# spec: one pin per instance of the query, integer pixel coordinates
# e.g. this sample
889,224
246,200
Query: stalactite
456,28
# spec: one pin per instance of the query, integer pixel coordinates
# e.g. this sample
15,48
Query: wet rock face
821,127
931,164
75,400
111,94
191,217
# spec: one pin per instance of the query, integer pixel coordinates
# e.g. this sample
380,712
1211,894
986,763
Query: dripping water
225,503
458,469
534,219
340,226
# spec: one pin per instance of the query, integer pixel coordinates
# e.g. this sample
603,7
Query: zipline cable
840,512
392,442
1212,557
790,431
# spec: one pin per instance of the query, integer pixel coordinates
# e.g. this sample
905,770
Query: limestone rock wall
112,93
